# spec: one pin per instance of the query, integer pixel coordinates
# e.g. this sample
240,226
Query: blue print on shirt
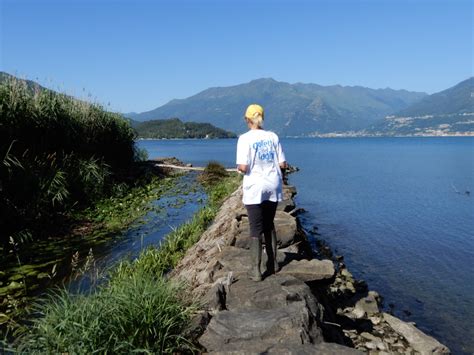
264,150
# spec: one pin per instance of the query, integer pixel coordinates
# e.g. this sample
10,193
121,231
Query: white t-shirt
261,151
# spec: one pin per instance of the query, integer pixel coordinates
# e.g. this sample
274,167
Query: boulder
233,259
310,349
366,307
285,226
288,192
215,299
309,270
273,292
249,330
237,260
242,239
297,248
286,205
419,341
294,349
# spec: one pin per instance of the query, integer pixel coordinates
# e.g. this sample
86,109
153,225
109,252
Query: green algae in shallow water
4,318
32,273
16,277
23,269
14,286
4,291
42,275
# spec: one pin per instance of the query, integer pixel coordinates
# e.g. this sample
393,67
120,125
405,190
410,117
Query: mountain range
291,109
307,110
449,112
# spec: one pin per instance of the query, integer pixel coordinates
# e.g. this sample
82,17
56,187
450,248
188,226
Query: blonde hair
254,114
256,120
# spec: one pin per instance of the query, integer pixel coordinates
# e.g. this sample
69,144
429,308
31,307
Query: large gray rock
309,270
273,292
233,259
294,349
238,261
285,226
418,340
242,239
215,299
242,329
286,205
311,349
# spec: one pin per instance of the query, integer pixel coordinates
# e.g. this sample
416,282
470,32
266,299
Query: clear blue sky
137,55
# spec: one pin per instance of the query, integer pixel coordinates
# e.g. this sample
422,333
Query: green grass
134,314
138,310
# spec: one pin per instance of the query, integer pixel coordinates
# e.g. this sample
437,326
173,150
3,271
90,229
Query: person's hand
242,168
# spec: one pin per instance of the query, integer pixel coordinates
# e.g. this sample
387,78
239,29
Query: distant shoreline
343,135
180,139
471,134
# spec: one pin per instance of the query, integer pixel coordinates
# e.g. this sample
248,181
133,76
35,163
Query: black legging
261,218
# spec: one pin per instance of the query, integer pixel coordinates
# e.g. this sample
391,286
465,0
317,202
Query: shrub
213,172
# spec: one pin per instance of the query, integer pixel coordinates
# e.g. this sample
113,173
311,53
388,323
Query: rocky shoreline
310,306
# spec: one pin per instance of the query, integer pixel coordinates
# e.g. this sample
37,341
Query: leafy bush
213,173
175,128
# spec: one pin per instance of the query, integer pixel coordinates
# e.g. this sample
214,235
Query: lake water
399,211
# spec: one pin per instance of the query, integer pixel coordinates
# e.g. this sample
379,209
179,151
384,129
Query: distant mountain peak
263,80
292,109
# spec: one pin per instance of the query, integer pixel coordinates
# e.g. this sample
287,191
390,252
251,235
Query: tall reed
56,153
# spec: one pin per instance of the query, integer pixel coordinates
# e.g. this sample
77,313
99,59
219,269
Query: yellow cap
254,109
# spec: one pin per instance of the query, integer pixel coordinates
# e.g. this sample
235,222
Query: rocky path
311,306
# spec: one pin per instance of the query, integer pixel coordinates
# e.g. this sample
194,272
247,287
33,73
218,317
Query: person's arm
281,156
242,156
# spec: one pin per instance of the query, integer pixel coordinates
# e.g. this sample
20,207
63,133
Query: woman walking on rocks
260,158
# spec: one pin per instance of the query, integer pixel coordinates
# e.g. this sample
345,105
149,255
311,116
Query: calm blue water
396,208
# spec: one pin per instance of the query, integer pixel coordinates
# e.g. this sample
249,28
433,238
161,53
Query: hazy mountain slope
291,109
457,99
450,111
